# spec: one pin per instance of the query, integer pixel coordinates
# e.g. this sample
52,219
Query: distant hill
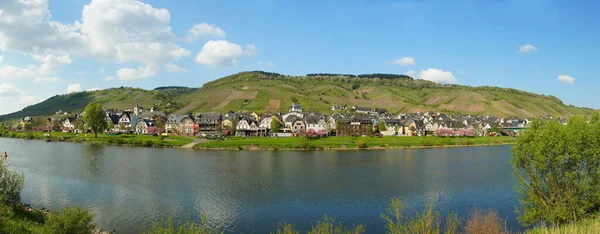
264,91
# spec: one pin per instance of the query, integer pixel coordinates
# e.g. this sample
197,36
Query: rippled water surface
250,192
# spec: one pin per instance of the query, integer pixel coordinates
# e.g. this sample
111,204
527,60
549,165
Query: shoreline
31,208
255,146
345,149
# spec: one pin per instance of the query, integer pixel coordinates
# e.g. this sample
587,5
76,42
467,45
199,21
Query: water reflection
248,192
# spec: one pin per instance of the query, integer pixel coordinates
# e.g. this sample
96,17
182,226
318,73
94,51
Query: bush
148,143
305,143
70,221
485,223
362,145
159,142
556,167
13,135
328,226
286,228
11,183
119,140
136,142
426,142
168,226
29,135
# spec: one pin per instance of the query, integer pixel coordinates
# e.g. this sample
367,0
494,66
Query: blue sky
54,47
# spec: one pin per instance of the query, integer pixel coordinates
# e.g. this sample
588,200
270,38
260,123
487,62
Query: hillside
262,91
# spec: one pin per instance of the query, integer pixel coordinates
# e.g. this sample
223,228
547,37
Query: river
129,188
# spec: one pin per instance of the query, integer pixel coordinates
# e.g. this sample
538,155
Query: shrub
13,135
159,142
556,167
427,221
305,143
426,142
485,223
70,221
362,145
11,182
136,142
148,143
286,228
168,226
119,140
328,226
29,135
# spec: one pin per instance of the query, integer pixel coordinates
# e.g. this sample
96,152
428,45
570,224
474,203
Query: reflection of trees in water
93,161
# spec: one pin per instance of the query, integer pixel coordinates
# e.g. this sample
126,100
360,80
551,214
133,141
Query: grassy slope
582,227
399,95
317,94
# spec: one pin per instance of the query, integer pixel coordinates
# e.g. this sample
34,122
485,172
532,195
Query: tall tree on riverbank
11,183
558,171
95,118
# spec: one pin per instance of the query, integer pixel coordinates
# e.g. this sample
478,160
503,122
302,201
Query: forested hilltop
264,91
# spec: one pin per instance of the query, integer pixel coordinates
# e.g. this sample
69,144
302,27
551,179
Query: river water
129,188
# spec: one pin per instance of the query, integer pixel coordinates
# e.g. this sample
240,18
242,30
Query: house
180,125
296,108
356,126
126,122
113,123
316,123
152,115
338,107
331,128
414,127
69,124
363,110
381,111
246,126
393,127
142,126
229,126
298,127
208,123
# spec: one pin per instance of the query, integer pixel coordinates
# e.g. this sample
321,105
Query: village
344,121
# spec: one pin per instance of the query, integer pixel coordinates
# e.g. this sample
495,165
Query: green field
349,142
124,139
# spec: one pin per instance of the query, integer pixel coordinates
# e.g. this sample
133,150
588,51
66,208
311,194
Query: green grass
591,225
124,139
348,142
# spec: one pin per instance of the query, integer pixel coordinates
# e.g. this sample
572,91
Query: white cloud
94,89
47,79
223,54
566,79
72,88
204,29
109,78
50,61
116,30
174,68
102,70
411,73
141,72
8,90
268,64
405,61
527,48
29,100
1,58
438,76
80,73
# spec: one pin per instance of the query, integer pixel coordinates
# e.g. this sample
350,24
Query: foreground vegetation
349,142
106,139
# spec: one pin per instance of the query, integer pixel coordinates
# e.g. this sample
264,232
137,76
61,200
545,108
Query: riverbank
351,143
266,143
23,218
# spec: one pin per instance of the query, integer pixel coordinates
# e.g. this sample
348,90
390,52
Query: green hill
263,91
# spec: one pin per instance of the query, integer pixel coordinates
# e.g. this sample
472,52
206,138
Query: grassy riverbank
261,143
124,139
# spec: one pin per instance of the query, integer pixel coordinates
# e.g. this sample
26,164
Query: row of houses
352,121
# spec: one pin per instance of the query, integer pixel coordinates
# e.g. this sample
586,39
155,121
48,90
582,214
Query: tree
557,171
382,126
494,129
95,118
370,130
294,99
355,86
27,126
275,125
11,183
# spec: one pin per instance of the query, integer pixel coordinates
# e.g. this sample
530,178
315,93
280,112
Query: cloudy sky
50,47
